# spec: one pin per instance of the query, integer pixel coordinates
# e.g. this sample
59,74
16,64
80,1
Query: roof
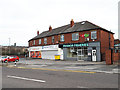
116,40
78,26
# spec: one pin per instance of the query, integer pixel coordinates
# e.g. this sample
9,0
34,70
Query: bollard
15,63
7,63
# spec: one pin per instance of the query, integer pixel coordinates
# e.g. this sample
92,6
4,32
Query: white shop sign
35,48
39,48
50,47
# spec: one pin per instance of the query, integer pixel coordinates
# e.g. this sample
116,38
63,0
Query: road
29,78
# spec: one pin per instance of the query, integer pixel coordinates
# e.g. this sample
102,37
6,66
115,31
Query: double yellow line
53,69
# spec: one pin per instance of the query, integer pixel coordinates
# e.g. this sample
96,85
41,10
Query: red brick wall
101,36
115,56
111,40
108,57
67,38
105,42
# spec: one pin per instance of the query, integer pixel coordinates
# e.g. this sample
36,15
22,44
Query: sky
21,19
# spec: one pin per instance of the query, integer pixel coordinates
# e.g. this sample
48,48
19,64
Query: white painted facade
48,52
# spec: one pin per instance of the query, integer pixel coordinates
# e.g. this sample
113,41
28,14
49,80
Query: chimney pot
37,33
50,28
71,23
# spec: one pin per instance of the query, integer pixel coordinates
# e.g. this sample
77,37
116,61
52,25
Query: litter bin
57,57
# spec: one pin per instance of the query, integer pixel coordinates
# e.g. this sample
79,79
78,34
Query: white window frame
75,36
94,33
39,41
34,42
53,39
62,38
45,40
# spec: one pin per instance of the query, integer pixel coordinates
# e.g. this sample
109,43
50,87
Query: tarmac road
29,78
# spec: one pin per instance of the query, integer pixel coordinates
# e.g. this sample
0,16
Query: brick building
116,51
75,41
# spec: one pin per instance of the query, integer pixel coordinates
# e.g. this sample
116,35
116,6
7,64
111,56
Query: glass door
80,54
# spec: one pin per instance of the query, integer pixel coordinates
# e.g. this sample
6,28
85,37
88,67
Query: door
94,55
80,54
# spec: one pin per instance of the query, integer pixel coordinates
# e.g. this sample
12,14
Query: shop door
94,55
80,54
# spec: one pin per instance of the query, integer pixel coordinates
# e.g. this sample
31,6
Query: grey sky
20,19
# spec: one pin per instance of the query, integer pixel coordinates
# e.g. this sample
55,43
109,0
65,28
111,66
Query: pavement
68,66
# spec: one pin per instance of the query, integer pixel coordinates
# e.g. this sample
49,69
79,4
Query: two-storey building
75,41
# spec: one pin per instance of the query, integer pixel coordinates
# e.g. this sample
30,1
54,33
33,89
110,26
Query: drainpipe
109,41
110,49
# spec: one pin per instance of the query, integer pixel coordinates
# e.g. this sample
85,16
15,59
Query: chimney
50,28
37,33
71,23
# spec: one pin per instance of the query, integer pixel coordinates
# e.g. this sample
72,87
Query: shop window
115,50
75,36
72,52
62,38
94,35
45,40
39,41
53,39
119,51
83,53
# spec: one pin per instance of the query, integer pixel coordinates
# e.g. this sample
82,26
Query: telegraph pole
9,46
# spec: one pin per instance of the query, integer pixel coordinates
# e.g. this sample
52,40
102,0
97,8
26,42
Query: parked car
11,59
3,57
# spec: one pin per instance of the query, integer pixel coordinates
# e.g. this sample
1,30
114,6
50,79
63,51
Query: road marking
81,87
22,78
57,70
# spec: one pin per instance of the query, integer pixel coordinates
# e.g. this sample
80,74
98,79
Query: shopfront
45,52
82,51
35,52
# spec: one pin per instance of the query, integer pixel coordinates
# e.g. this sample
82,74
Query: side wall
105,45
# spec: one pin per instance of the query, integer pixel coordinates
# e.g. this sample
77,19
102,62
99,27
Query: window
115,50
34,42
86,39
72,52
62,38
45,40
53,39
39,41
119,51
75,36
94,35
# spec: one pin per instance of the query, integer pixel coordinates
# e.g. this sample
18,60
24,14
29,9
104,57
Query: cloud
20,19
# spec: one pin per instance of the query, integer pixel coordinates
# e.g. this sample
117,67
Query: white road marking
26,79
81,87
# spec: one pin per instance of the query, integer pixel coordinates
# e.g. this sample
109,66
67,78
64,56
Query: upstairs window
94,35
62,38
45,40
75,36
39,41
53,39
34,42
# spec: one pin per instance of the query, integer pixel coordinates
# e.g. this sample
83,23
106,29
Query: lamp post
9,46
